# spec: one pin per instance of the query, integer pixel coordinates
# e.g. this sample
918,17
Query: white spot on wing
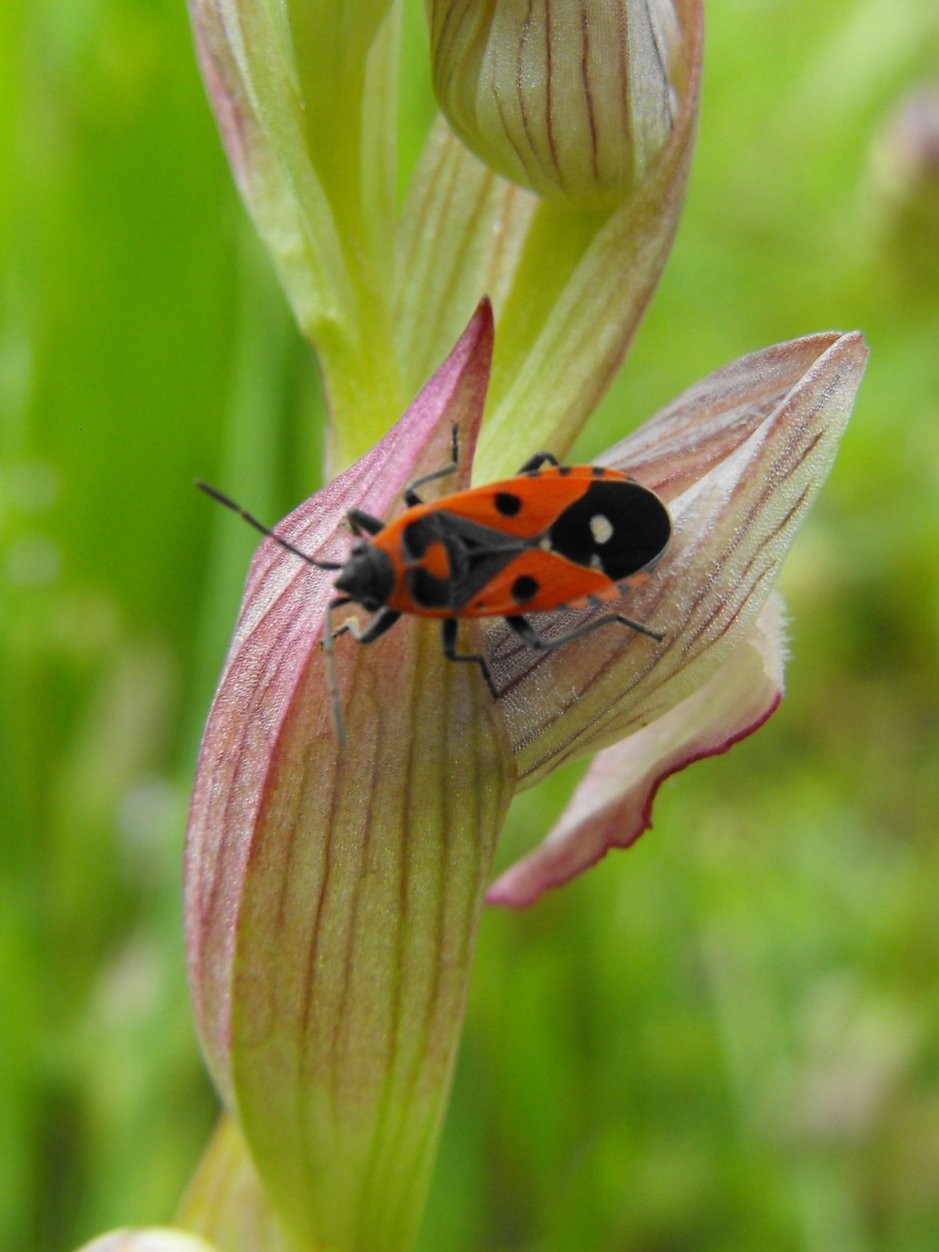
601,528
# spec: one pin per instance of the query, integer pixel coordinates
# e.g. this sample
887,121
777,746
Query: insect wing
537,581
529,504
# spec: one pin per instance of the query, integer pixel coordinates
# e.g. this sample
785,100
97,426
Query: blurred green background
727,1038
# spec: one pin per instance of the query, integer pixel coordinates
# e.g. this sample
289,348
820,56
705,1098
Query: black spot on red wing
524,588
507,503
419,535
427,591
598,471
475,555
564,470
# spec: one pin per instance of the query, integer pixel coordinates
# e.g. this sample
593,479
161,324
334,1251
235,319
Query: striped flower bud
571,100
905,185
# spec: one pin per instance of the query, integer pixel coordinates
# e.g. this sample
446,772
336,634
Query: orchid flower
333,893
334,889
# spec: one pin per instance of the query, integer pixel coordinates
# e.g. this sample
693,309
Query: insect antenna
265,530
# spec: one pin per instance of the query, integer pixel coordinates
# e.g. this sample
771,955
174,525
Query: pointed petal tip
480,332
845,358
852,343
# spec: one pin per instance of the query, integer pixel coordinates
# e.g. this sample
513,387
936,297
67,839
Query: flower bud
905,185
572,101
148,1239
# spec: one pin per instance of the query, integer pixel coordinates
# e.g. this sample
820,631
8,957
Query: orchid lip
739,457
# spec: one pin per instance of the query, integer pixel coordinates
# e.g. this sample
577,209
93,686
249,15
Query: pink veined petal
333,893
612,806
276,641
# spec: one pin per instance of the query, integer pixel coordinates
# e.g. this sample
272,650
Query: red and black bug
553,537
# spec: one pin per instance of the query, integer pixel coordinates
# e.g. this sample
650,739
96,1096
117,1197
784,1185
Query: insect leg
527,633
449,631
383,620
535,462
332,682
410,492
363,523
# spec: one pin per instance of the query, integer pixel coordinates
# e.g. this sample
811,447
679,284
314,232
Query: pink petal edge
278,632
612,806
